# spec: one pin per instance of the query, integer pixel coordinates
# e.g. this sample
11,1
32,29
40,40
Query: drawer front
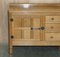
52,19
52,36
52,28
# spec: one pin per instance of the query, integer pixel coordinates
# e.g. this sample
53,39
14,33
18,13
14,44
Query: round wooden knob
52,27
11,19
51,37
12,36
42,28
31,28
52,18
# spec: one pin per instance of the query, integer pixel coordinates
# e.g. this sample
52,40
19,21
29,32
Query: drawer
52,36
52,27
52,19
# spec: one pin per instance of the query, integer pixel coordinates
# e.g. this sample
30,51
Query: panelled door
28,27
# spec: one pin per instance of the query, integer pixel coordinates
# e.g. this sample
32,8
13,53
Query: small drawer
52,19
52,36
52,28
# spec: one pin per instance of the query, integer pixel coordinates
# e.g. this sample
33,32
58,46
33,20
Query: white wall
35,1
3,27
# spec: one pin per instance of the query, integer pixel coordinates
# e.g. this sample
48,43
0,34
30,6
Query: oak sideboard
33,25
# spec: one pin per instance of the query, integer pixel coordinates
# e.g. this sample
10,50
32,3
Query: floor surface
36,52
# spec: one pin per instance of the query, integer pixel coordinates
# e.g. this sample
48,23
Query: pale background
4,20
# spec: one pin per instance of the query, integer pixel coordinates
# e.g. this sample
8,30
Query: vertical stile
44,27
40,28
22,27
42,22
31,27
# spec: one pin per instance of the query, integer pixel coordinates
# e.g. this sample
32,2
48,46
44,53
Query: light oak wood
38,25
52,28
52,19
52,36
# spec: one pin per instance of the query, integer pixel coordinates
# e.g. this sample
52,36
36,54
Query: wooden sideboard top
36,7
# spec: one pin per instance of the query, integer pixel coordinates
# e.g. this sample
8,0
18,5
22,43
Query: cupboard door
35,28
28,27
21,27
52,36
52,19
52,28
38,26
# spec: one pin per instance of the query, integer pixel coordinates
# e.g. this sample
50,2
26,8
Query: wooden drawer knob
52,27
42,28
51,37
31,28
52,18
11,19
12,36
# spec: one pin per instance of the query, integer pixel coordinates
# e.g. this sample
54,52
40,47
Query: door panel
36,22
26,22
26,34
36,34
17,33
17,21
